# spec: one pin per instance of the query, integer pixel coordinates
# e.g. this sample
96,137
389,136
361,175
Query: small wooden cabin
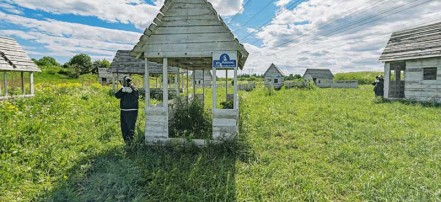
15,63
412,64
106,77
202,78
274,76
318,76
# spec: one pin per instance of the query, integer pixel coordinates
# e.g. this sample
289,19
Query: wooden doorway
397,80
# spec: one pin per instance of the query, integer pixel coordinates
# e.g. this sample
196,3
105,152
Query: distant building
106,77
412,64
274,76
202,78
14,59
318,76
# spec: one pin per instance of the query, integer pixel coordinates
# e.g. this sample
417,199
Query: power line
335,31
365,8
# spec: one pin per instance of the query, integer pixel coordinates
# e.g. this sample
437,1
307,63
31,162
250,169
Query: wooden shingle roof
14,58
319,73
125,64
187,32
416,43
273,66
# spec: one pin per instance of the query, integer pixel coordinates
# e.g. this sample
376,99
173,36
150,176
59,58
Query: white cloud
315,37
67,39
135,12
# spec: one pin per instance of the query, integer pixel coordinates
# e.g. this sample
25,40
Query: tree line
78,65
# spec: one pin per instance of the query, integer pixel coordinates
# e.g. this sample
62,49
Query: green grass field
314,145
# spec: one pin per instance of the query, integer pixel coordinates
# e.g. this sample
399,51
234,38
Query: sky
341,35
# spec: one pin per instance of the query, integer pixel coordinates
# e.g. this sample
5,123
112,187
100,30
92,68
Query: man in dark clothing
379,86
128,96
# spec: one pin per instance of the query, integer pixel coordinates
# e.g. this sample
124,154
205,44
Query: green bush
190,120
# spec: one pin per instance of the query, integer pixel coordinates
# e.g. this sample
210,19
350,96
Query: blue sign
225,61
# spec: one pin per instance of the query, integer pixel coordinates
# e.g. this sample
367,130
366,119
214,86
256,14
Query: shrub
83,62
190,120
228,104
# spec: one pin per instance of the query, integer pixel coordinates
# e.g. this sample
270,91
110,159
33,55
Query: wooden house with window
412,64
202,78
274,76
319,76
15,63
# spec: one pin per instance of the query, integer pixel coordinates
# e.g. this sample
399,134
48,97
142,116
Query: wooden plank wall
225,124
422,90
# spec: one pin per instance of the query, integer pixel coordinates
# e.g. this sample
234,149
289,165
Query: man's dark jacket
128,100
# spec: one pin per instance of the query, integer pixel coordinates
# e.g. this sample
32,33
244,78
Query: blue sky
294,34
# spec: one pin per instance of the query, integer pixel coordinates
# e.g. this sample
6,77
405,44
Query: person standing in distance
129,104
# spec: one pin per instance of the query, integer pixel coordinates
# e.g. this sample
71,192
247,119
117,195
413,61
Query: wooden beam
22,83
32,82
165,83
203,86
114,83
226,85
236,98
213,86
194,83
386,79
188,87
5,82
147,83
176,83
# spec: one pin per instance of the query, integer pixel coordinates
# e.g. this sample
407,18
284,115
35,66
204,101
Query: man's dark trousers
128,123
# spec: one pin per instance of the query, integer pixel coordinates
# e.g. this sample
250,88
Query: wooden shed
274,76
318,76
106,77
202,78
189,34
14,62
412,64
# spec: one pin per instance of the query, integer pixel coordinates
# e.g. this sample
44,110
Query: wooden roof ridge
414,43
276,67
3,55
325,72
147,45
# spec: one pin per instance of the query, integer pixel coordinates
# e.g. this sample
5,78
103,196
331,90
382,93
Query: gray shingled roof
14,58
277,68
416,43
319,73
125,64
187,32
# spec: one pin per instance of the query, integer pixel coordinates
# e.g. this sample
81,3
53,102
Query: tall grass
298,144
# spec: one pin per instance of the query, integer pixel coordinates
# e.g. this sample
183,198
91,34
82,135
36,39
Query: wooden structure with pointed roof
274,77
14,59
190,34
412,64
318,76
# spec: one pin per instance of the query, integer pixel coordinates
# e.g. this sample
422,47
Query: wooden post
176,83
114,82
203,85
213,86
188,87
226,85
22,83
5,83
386,79
194,83
165,82
32,82
236,100
147,83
